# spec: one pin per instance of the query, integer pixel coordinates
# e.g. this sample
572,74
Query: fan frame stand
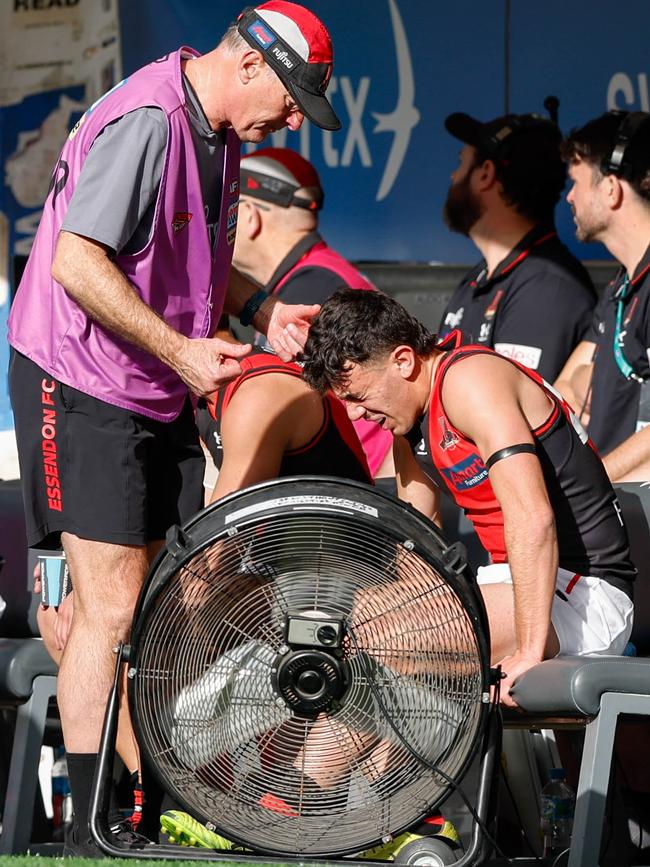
476,854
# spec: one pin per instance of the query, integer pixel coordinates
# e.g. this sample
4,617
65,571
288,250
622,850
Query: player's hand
513,667
289,326
206,364
63,621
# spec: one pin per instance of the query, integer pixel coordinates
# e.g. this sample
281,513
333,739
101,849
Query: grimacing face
376,391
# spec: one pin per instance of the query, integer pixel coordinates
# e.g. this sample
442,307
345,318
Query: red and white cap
297,47
276,174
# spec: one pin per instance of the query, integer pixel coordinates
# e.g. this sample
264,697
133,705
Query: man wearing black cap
528,298
278,246
607,378
113,326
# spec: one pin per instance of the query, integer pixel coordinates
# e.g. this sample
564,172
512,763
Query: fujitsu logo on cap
282,56
261,33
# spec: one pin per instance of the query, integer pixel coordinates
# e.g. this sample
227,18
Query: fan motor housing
309,675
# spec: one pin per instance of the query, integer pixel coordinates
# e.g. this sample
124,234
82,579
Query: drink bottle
556,820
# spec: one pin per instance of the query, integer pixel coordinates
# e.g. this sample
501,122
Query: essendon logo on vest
466,474
180,221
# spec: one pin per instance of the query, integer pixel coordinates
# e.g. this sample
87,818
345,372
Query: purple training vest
176,274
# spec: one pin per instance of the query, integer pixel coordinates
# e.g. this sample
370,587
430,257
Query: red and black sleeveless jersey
335,449
591,537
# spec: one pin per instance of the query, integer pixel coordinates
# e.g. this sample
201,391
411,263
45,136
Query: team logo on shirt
180,220
491,310
449,438
466,474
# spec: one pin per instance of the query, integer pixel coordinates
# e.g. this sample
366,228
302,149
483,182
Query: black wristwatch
251,307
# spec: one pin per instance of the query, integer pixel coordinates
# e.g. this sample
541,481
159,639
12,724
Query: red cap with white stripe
277,175
296,45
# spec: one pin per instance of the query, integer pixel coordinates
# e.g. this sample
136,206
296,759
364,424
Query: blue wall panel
399,70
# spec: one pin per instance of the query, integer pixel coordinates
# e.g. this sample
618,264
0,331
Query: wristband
251,307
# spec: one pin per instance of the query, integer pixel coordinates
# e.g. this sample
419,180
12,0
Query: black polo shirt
309,285
535,308
615,398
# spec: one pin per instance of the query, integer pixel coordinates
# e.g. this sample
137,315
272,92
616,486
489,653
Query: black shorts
96,470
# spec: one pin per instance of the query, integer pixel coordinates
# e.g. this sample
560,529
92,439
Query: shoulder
312,284
475,378
260,389
554,263
139,129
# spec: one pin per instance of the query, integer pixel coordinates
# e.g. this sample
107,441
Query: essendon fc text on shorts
49,448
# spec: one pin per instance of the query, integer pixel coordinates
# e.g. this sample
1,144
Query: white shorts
590,617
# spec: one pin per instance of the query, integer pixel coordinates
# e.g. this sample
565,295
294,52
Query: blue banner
400,67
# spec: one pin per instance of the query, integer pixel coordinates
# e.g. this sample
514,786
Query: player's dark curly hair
530,169
358,325
593,143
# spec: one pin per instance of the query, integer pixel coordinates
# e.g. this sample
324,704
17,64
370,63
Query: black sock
81,770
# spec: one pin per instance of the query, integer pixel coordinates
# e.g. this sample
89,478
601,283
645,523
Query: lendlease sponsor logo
340,150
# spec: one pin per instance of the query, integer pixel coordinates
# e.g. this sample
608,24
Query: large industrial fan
309,667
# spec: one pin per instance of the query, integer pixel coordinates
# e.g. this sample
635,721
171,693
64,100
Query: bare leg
126,745
107,579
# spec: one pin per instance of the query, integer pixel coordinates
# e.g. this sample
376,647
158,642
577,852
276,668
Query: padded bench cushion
574,684
21,660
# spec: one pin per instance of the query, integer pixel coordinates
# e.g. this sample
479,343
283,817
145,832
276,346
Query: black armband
509,451
251,307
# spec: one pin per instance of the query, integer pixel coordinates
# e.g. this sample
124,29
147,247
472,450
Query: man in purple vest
112,326
278,245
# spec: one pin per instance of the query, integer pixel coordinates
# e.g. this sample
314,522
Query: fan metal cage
288,642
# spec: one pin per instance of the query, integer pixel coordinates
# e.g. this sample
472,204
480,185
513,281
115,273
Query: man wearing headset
502,196
607,377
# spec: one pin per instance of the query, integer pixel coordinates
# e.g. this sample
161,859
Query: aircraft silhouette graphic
405,115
